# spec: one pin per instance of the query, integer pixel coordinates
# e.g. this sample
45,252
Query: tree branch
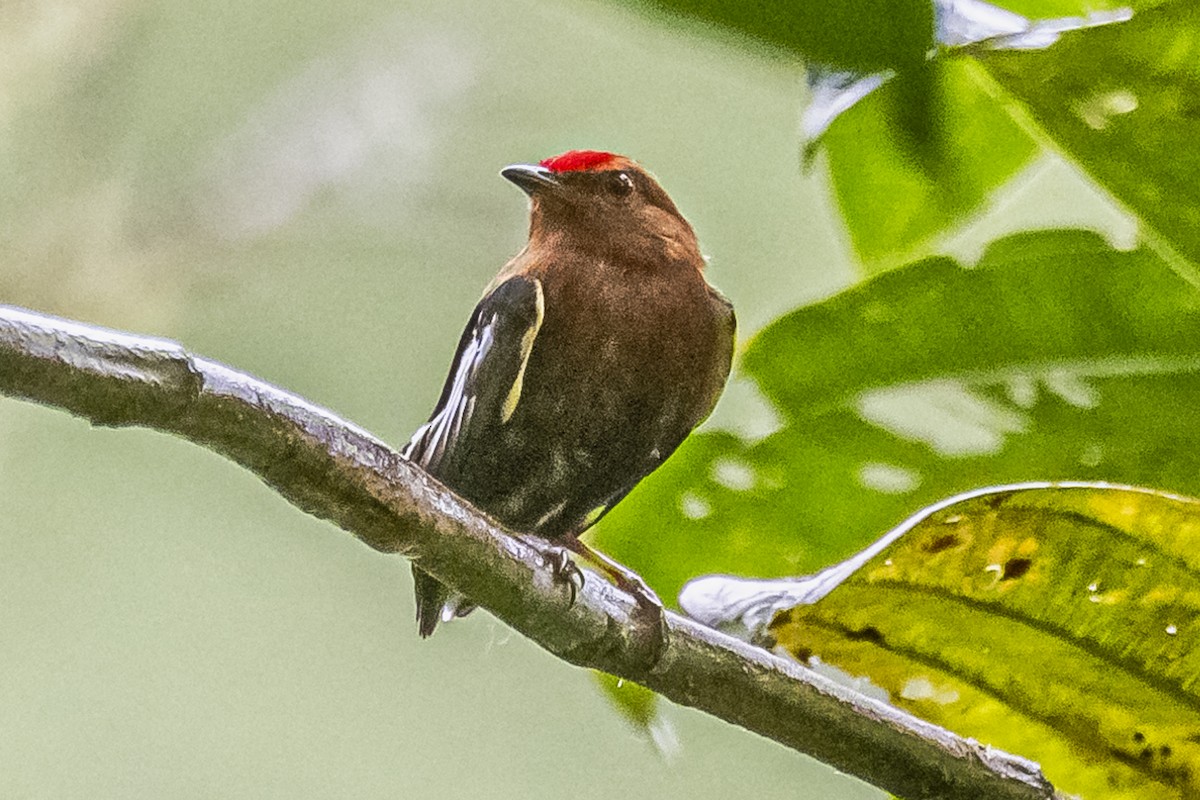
339,472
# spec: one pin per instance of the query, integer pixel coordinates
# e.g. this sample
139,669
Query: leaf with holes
1060,623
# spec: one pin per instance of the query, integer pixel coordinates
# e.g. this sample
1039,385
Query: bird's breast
622,347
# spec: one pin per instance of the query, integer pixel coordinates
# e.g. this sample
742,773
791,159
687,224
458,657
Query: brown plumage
592,355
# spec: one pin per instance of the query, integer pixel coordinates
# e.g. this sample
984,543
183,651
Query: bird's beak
530,178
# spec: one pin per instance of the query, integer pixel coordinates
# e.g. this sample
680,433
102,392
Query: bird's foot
558,558
649,616
564,569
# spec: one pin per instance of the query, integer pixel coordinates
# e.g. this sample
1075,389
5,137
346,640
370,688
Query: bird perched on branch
591,356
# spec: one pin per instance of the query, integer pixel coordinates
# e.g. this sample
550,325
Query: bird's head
604,203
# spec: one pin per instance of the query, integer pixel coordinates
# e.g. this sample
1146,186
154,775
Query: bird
592,355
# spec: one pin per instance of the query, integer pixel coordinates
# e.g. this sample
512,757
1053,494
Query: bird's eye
620,184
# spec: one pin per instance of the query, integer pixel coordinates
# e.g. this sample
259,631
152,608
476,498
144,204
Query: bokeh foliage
1123,102
893,204
857,34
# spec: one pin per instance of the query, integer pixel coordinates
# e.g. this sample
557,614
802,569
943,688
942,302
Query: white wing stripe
448,422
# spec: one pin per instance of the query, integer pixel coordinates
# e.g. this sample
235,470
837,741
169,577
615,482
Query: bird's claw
565,570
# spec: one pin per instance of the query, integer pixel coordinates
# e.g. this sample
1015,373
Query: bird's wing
487,373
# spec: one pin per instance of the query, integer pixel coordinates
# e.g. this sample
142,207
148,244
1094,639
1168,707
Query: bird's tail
432,595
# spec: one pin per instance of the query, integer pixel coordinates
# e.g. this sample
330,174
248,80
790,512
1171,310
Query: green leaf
893,205
1035,300
1055,358
636,703
641,709
1124,102
1059,623
862,34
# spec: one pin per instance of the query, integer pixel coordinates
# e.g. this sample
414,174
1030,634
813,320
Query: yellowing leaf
1060,623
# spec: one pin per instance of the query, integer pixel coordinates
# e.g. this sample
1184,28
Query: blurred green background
309,192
